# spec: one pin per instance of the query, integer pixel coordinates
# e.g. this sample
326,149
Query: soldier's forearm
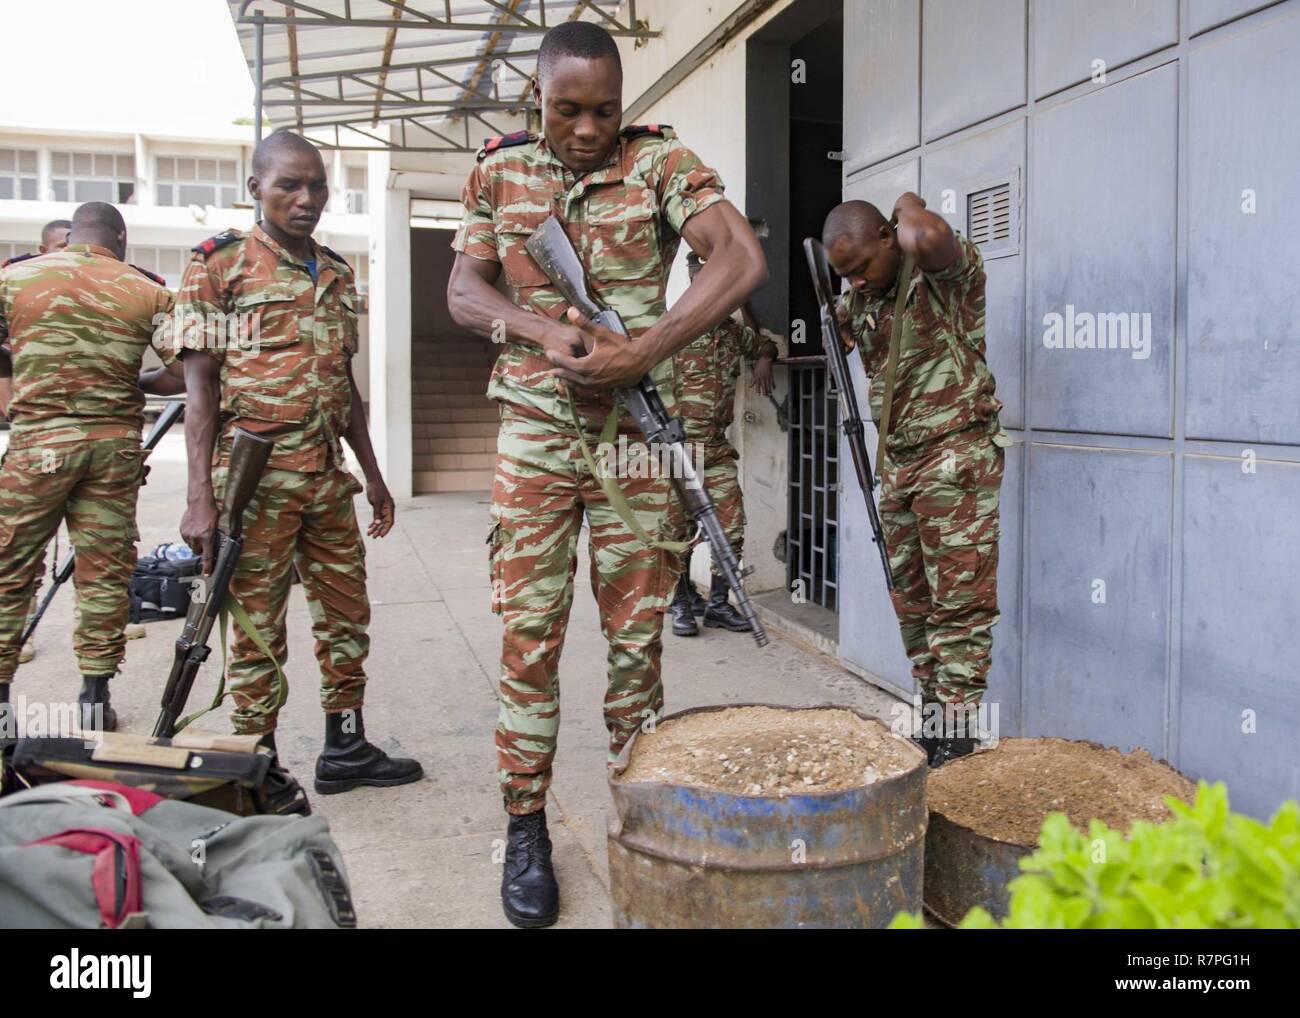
481,308
202,398
358,436
6,395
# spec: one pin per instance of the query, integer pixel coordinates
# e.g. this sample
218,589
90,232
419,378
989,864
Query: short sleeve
684,184
476,235
198,317
163,308
962,275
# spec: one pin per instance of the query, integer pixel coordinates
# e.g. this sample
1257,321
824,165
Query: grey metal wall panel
869,637
947,175
882,92
1068,36
1243,304
972,61
1241,588
882,189
1102,226
1209,13
1098,671
1004,675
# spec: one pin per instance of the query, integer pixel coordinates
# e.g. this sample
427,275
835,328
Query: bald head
99,223
54,235
855,220
281,143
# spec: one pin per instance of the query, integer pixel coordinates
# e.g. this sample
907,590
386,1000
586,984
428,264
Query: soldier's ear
254,189
537,92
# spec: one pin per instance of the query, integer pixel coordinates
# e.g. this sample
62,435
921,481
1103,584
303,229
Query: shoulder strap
157,279
891,366
490,145
216,243
636,130
15,260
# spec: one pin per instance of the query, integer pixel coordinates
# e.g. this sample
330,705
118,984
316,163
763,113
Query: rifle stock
850,418
550,247
248,456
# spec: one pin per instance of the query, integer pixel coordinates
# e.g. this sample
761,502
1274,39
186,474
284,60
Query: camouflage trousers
541,493
93,485
303,520
722,482
939,509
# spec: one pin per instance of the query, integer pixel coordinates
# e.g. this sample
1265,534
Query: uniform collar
92,249
280,252
610,170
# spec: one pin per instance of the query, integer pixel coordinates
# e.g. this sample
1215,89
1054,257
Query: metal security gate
812,528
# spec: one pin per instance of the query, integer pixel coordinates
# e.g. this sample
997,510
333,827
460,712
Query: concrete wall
1171,478
707,109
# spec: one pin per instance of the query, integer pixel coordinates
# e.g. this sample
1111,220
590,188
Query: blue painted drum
694,857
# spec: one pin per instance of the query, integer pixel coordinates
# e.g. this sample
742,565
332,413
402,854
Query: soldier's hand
846,339
565,339
614,362
199,530
764,382
384,509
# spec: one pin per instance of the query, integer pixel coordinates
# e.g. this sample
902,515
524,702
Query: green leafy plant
1207,867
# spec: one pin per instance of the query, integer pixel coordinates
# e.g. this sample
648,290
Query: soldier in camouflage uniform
626,197
78,321
54,237
282,369
943,463
706,390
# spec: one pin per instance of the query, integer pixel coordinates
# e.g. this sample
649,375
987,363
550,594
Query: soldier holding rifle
627,197
943,449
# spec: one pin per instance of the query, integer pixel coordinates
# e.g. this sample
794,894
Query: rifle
171,413
551,249
850,418
248,456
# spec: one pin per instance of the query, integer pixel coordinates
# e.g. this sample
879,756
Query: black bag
160,586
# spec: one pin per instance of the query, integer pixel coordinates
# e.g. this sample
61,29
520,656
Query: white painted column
44,174
390,326
144,173
338,196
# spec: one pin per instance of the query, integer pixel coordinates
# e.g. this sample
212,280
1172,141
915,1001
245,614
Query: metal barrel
964,869
694,857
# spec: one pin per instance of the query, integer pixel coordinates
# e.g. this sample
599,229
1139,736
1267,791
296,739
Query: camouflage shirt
625,220
706,378
78,321
284,354
943,383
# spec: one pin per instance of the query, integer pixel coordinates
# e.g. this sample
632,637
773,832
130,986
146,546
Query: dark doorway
795,134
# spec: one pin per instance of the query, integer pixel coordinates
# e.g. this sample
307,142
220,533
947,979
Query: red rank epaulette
216,243
636,130
15,259
157,279
490,145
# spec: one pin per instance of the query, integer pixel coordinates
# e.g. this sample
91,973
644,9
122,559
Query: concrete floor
423,855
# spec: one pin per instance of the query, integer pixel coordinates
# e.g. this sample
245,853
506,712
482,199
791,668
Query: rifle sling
891,365
609,485
233,608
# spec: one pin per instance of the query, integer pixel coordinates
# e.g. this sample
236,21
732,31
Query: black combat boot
348,760
958,736
96,714
529,894
680,609
698,604
718,613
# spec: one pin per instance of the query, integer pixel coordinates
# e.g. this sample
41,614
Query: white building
174,191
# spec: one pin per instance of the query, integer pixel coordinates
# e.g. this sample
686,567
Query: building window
183,181
92,176
356,189
8,251
17,174
168,262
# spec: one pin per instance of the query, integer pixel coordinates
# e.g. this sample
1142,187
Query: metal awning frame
408,109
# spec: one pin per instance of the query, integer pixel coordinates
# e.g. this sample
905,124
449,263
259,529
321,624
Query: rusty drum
693,856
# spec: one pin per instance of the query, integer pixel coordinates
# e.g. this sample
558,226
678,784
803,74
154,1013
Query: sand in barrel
770,752
1005,793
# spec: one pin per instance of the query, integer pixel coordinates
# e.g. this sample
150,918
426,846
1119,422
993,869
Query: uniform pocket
269,415
625,248
513,229
268,319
